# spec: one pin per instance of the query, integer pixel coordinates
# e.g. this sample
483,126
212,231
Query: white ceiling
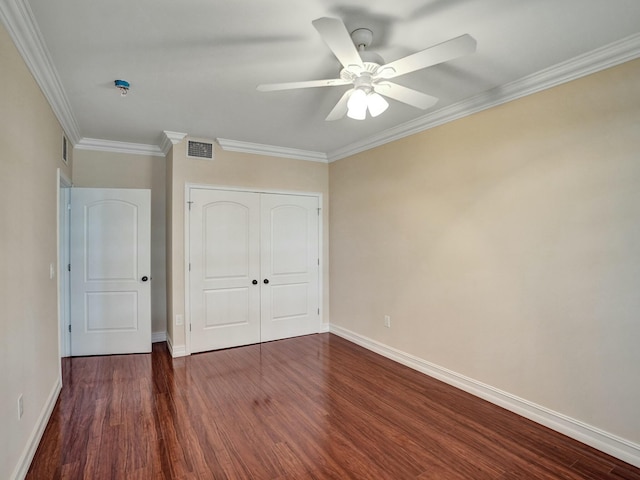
194,65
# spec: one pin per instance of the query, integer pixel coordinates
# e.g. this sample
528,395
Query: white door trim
63,184
187,287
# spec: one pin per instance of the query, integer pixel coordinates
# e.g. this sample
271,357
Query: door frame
187,245
63,185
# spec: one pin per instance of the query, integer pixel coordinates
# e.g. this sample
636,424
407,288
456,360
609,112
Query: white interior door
290,264
224,263
254,267
110,265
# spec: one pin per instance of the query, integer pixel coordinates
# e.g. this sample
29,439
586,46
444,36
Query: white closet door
110,264
289,261
224,256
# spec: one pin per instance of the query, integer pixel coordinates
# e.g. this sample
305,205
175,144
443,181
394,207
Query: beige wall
505,246
31,151
238,170
120,170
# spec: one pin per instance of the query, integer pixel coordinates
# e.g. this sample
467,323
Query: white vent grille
197,149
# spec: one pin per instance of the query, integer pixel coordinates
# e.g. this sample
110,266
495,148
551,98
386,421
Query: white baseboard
325,328
604,441
158,337
176,351
24,462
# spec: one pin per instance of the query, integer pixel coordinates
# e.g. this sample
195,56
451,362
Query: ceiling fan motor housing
353,73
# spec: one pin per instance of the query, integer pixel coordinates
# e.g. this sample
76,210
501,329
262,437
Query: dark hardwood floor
311,407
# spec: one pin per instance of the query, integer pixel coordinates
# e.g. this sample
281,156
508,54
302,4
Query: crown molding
19,20
96,144
169,139
271,150
599,59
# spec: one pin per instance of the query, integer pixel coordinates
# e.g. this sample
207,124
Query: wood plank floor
311,407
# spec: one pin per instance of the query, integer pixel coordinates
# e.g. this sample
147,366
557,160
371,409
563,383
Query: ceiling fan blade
340,110
337,38
405,95
272,87
456,47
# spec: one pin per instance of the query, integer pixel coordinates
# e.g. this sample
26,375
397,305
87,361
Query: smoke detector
123,86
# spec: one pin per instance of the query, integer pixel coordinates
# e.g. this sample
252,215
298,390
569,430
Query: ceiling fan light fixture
376,104
357,114
357,105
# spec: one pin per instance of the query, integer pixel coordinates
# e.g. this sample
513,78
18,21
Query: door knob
145,278
266,280
255,282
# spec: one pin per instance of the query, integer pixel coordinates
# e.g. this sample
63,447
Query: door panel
110,255
289,260
287,228
111,311
289,301
226,307
224,251
226,231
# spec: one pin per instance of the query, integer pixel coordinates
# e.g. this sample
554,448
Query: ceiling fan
368,73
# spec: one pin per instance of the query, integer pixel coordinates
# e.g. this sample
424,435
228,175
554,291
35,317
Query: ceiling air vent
200,149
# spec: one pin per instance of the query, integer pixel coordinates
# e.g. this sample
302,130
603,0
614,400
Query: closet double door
254,267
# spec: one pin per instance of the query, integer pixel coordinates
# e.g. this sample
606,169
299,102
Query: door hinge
318,311
189,266
319,211
189,202
69,328
318,261
68,267
189,327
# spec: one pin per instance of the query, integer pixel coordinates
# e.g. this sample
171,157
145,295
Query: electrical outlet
20,407
387,321
179,319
